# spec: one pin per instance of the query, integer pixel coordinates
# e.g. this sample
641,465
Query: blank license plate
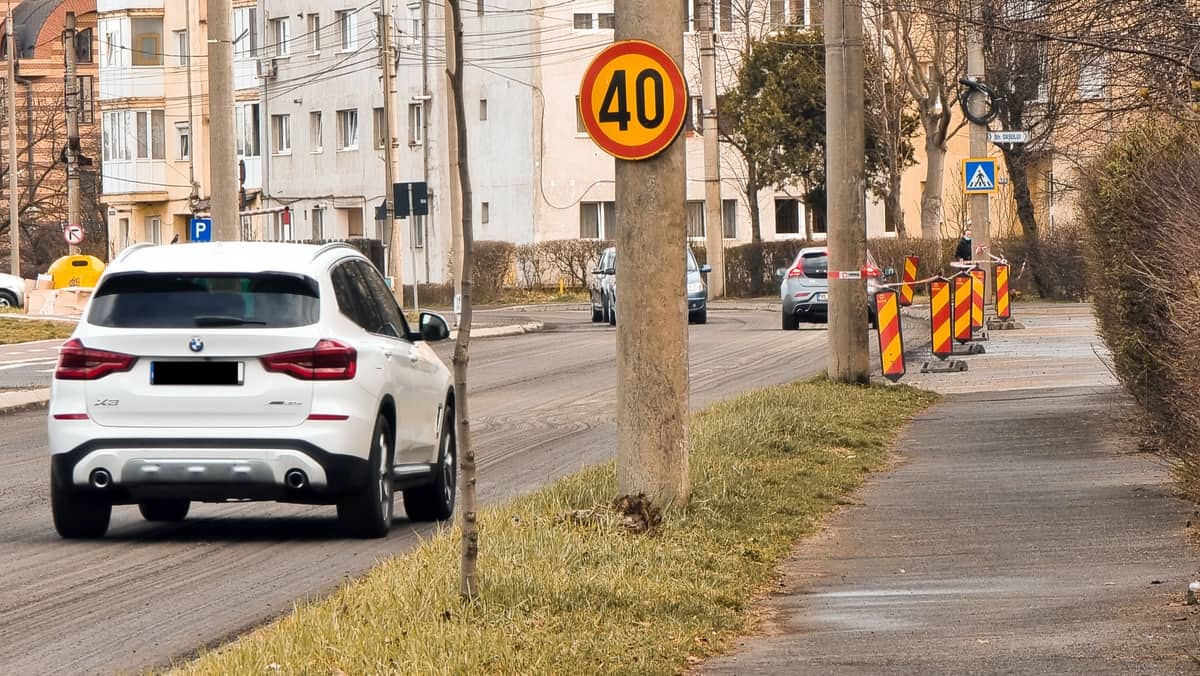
197,372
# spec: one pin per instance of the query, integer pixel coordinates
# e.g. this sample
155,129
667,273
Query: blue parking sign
200,230
979,176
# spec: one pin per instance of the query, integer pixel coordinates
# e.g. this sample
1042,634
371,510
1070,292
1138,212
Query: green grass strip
25,330
560,597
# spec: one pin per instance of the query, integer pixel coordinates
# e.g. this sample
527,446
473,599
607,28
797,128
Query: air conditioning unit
267,68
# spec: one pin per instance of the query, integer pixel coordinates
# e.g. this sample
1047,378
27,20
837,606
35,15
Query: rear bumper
792,306
209,470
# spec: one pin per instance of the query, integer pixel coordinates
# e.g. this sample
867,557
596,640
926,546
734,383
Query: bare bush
573,259
494,263
532,265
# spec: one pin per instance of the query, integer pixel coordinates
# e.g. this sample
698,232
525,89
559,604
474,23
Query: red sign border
67,237
674,124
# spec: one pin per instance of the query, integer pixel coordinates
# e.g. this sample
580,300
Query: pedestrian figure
963,252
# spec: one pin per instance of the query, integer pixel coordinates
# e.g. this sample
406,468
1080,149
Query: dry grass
566,596
26,330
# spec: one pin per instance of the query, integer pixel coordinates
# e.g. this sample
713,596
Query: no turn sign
73,234
633,100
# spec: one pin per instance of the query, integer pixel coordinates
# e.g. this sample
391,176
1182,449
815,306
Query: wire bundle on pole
993,101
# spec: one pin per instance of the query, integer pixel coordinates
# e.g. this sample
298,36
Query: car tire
368,513
435,501
164,510
790,322
698,317
77,516
612,316
8,299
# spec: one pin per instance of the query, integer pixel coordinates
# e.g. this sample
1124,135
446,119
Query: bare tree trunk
931,196
1015,163
891,205
469,578
752,188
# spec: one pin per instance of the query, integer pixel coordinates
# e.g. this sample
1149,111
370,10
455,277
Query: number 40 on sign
633,100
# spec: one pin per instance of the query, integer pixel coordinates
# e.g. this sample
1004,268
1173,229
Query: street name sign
1019,136
633,100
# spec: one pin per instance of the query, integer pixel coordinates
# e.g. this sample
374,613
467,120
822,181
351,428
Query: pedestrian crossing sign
979,176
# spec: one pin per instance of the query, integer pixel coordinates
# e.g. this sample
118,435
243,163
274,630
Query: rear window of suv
178,301
815,265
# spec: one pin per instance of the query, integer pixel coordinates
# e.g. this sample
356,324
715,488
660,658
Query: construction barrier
963,329
978,279
939,318
908,287
891,340
1003,299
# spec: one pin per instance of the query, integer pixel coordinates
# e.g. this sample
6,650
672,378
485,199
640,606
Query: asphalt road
544,407
28,365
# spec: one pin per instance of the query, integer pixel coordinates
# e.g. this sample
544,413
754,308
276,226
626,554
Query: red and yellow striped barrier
939,318
1003,299
891,340
978,278
908,288
963,329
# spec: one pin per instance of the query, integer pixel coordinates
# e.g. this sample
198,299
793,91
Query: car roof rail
130,249
325,248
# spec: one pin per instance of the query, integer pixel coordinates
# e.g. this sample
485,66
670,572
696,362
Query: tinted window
382,298
176,301
691,262
354,297
815,265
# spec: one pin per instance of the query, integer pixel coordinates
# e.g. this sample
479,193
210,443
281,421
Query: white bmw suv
249,371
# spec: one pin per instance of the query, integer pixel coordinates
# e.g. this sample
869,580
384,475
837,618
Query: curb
15,402
502,331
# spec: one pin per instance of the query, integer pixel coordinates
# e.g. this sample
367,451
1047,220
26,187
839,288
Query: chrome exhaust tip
101,478
295,479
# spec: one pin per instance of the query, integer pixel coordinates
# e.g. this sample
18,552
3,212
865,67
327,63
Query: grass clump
562,595
26,330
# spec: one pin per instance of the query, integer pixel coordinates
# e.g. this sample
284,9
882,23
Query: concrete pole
652,336
980,216
222,153
715,226
14,211
455,196
395,249
849,354
71,94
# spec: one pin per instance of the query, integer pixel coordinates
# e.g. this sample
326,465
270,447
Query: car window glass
815,265
348,299
691,261
172,300
383,299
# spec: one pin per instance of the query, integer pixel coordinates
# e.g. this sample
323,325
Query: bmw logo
196,345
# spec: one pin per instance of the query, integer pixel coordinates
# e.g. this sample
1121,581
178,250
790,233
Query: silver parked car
603,289
804,288
12,290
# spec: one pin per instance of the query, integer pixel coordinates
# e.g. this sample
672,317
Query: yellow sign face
633,100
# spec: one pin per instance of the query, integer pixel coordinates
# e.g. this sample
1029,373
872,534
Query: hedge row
1139,204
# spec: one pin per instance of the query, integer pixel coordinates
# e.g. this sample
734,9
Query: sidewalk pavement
1020,531
15,400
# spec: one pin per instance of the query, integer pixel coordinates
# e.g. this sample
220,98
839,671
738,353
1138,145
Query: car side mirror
706,268
433,327
780,272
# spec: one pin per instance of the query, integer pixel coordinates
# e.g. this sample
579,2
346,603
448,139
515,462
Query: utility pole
223,179
14,211
71,90
194,196
456,246
652,342
849,355
715,226
980,226
395,250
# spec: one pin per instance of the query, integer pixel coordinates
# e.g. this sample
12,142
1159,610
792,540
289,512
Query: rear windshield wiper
222,320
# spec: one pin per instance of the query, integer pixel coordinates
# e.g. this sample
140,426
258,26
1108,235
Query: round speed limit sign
633,100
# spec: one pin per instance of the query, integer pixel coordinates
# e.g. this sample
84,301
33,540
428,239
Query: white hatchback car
249,371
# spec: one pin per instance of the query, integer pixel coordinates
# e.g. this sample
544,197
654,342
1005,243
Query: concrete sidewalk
1020,532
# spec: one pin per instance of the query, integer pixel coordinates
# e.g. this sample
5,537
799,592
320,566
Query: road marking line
9,367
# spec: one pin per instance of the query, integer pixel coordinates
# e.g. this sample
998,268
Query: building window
789,214
247,127
314,33
695,219
315,134
1091,80
151,136
116,132
729,219
182,49
583,22
112,49
598,220
347,30
483,110
318,223
479,8
154,229
245,33
183,136
83,46
123,229
417,234
723,14
87,99
485,212
281,134
354,222
416,129
147,42
347,121
281,33
379,138
589,22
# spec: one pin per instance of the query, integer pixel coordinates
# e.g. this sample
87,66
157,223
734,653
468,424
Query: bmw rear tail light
328,360
76,362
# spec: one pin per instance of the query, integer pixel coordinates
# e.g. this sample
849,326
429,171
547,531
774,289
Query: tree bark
1015,162
891,206
469,577
931,196
752,188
